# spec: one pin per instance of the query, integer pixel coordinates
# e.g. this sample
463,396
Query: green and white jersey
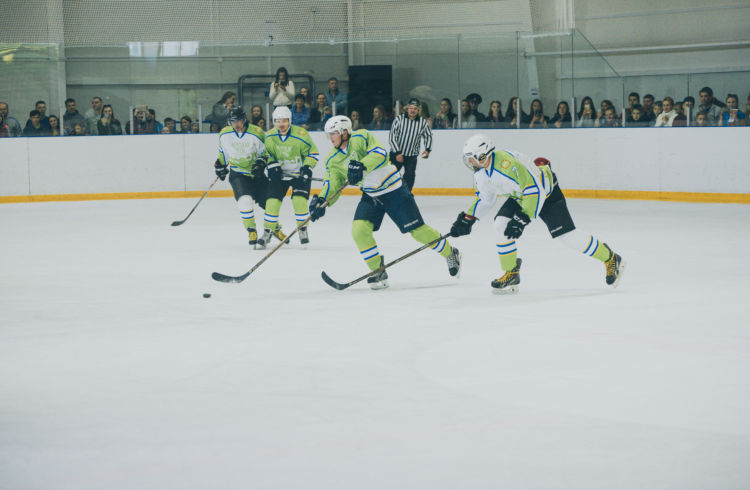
511,175
292,151
239,151
380,177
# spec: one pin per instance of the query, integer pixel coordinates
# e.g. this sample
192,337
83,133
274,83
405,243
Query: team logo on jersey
505,163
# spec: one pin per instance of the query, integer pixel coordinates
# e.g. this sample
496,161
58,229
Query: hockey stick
178,223
340,286
224,278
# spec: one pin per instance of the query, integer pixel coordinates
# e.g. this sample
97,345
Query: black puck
206,295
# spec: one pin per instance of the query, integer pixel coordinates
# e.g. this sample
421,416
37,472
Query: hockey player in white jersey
531,191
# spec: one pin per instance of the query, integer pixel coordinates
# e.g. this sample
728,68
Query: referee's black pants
410,170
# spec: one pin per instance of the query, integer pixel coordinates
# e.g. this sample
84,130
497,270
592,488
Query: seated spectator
256,116
336,98
142,125
446,118
701,119
93,115
215,128
4,129
657,111
538,119
424,113
108,123
317,113
171,124
165,130
13,126
186,125
79,128
379,121
495,118
41,106
733,116
356,123
34,126
151,116
327,114
610,119
474,101
587,114
195,127
281,91
510,114
605,104
634,120
221,108
468,119
707,105
71,116
648,109
633,98
300,113
305,93
562,117
668,114
54,125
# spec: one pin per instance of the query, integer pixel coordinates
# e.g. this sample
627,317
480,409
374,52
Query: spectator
195,126
474,101
171,124
610,119
446,118
34,126
317,114
216,129
378,119
424,113
407,131
305,93
93,115
713,111
633,98
468,119
108,123
733,116
256,116
142,125
635,119
79,128
186,125
327,114
151,116
586,116
334,95
605,104
14,127
71,116
747,105
300,113
281,91
221,109
538,119
668,114
495,117
648,109
701,119
165,130
657,111
41,106
4,129
262,123
562,117
511,114
688,108
356,123
54,125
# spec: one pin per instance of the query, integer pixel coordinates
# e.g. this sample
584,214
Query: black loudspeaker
370,85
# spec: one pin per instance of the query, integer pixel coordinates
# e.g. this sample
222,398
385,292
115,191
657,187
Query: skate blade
376,286
461,265
508,290
260,246
619,276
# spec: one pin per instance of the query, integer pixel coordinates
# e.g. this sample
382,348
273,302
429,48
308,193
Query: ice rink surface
115,372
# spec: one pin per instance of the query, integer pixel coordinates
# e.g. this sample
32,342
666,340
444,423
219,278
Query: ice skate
252,236
263,241
615,266
303,238
508,284
379,280
280,235
454,262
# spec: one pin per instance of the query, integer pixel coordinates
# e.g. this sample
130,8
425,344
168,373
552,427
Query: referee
406,132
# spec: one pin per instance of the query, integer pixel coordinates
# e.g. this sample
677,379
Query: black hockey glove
220,169
305,177
356,172
516,225
274,171
316,208
259,166
462,225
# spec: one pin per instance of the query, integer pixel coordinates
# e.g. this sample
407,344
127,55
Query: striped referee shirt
406,133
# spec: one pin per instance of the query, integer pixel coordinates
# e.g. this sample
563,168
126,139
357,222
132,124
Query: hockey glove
356,172
516,225
305,177
274,171
316,208
462,225
259,166
220,169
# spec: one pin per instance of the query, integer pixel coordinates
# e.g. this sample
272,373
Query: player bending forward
291,157
357,157
532,191
241,148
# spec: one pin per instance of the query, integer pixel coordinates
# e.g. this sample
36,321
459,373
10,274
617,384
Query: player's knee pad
245,203
576,240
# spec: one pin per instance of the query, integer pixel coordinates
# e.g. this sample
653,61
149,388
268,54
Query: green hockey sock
508,252
368,249
426,234
301,209
271,218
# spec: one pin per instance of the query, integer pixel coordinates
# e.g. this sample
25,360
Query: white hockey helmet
337,124
282,112
476,149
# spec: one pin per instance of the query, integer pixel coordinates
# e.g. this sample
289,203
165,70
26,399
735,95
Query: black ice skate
303,238
615,266
454,263
508,284
380,279
252,236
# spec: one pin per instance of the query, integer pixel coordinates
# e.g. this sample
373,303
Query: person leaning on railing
108,123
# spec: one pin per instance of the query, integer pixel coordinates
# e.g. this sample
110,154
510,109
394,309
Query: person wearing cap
474,100
407,131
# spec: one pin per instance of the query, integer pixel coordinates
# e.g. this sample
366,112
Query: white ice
116,374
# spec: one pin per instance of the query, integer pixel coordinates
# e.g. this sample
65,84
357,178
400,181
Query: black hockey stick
178,223
224,278
340,286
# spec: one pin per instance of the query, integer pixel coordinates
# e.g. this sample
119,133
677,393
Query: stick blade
332,283
177,223
216,276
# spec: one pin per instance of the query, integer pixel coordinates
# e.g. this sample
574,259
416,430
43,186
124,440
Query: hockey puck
206,295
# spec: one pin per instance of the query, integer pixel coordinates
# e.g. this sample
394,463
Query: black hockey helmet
236,114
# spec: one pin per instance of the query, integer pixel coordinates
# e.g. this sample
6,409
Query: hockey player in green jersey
358,158
291,157
241,148
531,191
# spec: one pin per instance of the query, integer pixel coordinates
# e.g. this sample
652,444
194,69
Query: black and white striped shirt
406,133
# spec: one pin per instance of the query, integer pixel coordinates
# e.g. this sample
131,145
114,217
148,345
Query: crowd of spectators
312,113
